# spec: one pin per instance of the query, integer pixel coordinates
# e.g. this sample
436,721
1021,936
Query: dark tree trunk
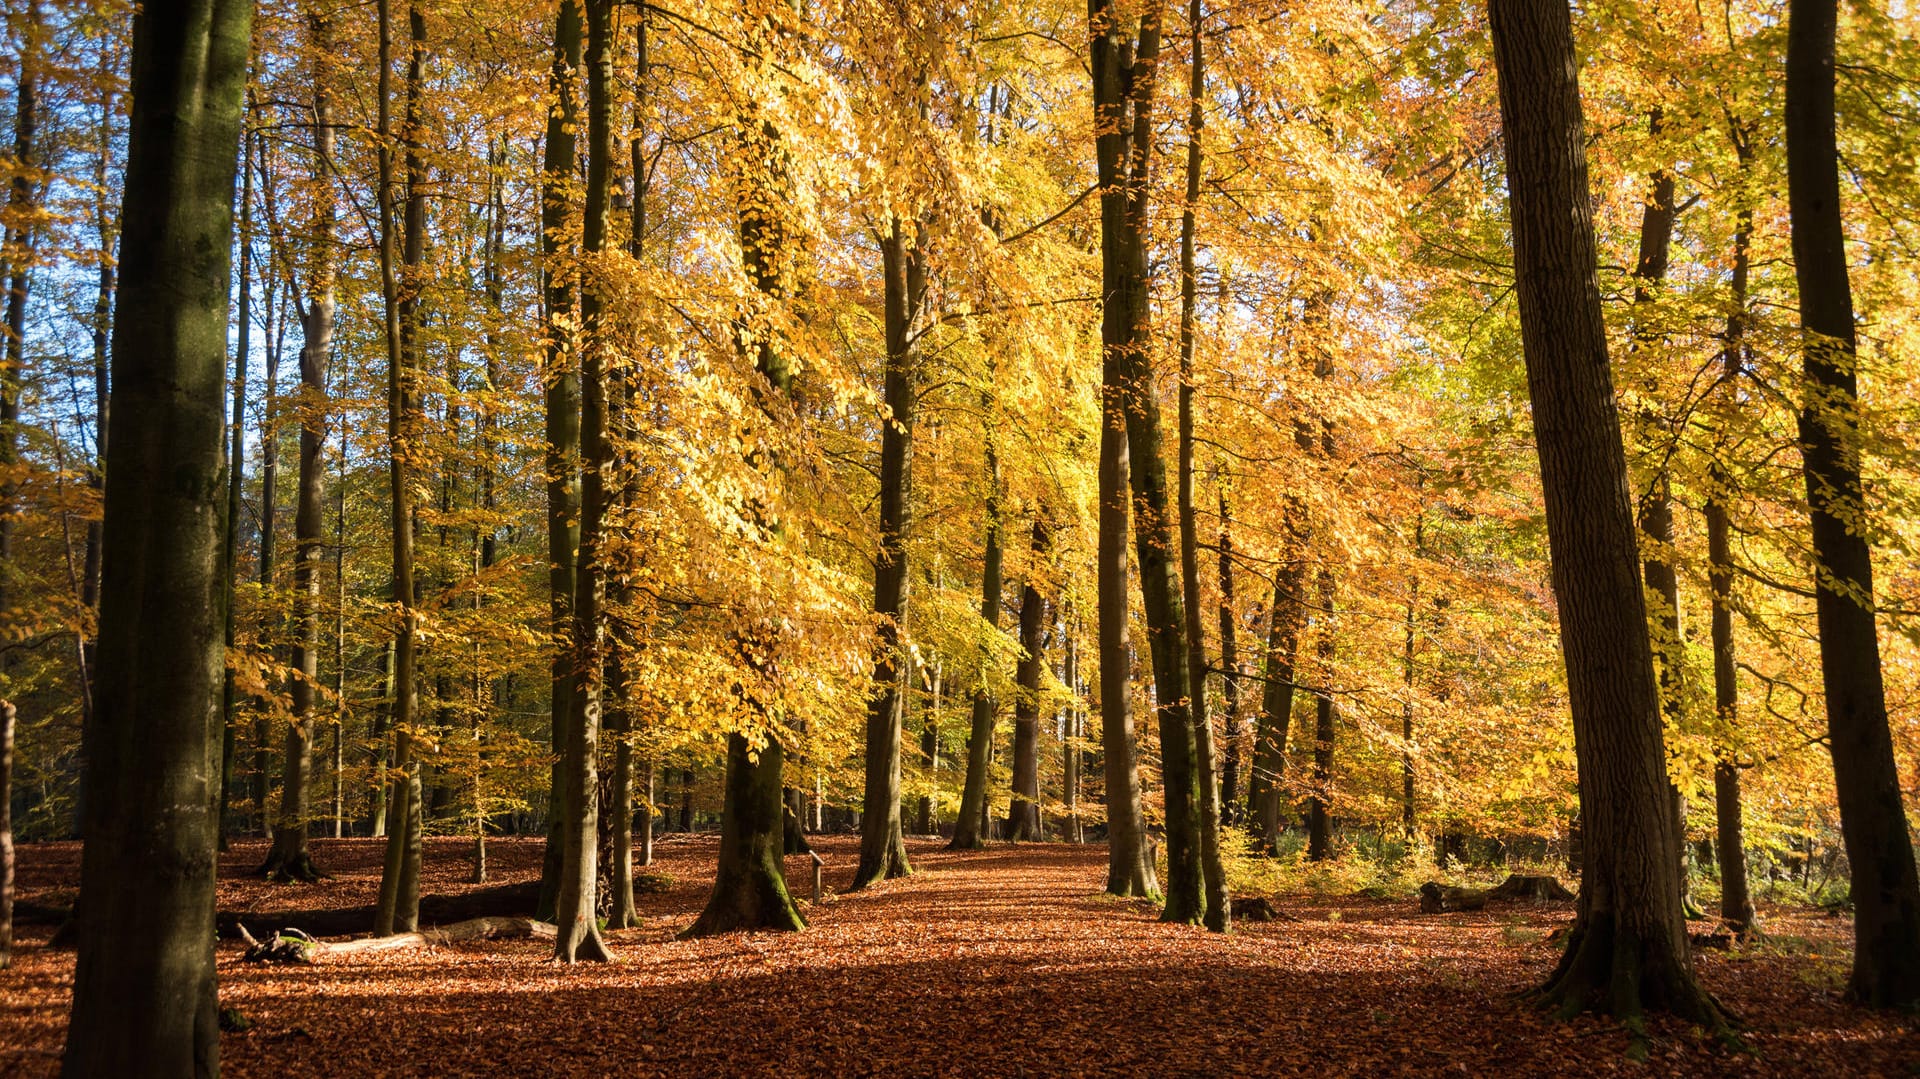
1218,912
1736,901
7,715
575,912
969,827
883,853
562,379
1408,819
1266,787
236,476
1885,892
398,909
289,858
143,989
1627,950
1124,69
1023,815
1230,808
1319,819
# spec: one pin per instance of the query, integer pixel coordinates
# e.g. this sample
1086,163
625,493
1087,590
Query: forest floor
1004,962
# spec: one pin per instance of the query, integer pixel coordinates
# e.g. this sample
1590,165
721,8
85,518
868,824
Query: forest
959,537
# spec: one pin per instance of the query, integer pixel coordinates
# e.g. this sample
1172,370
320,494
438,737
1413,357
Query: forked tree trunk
1627,950
1885,892
143,988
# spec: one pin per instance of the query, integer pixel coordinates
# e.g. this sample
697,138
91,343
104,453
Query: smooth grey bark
143,989
1627,949
1885,891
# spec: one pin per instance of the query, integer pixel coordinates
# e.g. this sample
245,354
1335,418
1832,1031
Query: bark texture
143,991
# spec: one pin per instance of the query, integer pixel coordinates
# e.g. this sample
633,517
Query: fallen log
295,946
1438,899
505,900
1537,887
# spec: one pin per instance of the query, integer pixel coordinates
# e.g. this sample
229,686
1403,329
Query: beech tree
143,992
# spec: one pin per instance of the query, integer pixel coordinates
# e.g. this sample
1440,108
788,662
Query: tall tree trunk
1736,901
143,988
1074,722
883,852
101,329
1023,816
574,916
1217,913
289,858
398,909
1123,83
1627,950
1230,672
1408,819
749,888
1656,501
236,475
265,565
562,381
7,716
969,832
19,255
1885,892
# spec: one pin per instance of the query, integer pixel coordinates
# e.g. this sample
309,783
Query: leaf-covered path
1006,962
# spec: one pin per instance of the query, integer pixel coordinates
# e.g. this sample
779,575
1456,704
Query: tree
883,852
1886,891
289,858
143,993
970,825
1023,816
1627,950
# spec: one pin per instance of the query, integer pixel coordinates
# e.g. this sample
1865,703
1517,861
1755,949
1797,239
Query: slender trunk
1627,950
143,987
1407,817
1736,901
883,852
1073,724
969,831
1217,914
1266,787
19,255
399,904
1319,812
289,859
562,380
7,714
1023,816
236,473
269,479
101,332
1230,672
1885,889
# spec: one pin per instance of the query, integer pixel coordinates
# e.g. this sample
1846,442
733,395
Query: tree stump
1537,887
1439,899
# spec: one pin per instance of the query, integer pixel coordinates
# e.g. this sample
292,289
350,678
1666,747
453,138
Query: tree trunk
1885,891
236,475
1230,671
969,831
289,859
1218,912
143,989
883,853
1023,816
1319,819
562,380
1407,816
399,903
1123,83
1627,950
749,890
7,715
1736,901
1266,788
574,915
